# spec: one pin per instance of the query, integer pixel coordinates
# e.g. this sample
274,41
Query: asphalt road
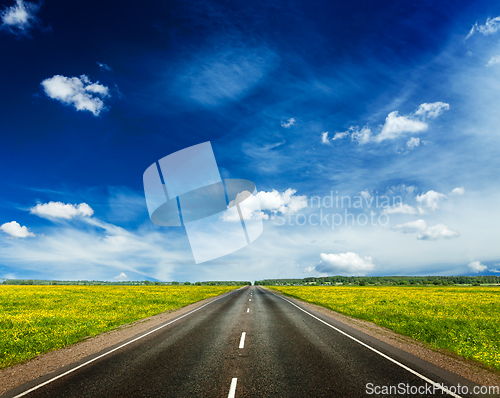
286,351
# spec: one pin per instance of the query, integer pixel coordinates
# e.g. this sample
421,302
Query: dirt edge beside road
45,363
468,369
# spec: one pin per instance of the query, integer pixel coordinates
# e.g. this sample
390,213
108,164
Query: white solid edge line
113,350
232,389
248,310
444,389
242,340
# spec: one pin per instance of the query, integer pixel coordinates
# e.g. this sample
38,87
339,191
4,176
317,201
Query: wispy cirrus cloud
289,123
225,75
493,61
491,26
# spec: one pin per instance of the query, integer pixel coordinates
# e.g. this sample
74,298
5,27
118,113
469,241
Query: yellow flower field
38,319
464,320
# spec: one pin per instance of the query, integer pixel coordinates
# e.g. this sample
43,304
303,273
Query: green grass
463,320
38,319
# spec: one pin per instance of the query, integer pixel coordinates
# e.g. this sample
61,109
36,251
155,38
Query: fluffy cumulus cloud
289,123
345,264
458,191
431,111
490,27
15,230
413,142
363,136
400,208
267,205
429,200
411,227
477,267
79,92
57,210
283,203
397,125
439,231
122,276
324,137
19,18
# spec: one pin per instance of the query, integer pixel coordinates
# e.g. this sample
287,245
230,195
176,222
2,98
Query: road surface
250,342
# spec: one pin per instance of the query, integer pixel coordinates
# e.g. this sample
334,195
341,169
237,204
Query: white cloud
411,227
224,75
399,208
431,110
267,205
284,203
363,137
458,191
53,210
324,137
490,27
99,251
79,92
15,230
493,61
104,67
430,200
249,206
345,263
339,136
439,231
365,194
477,267
396,125
413,142
122,276
289,123
19,18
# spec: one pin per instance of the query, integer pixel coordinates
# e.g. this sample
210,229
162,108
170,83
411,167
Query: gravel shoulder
19,374
467,369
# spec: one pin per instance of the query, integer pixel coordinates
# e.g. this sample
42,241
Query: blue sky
362,99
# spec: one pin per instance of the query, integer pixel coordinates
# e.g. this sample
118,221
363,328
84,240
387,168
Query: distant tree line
384,281
124,283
